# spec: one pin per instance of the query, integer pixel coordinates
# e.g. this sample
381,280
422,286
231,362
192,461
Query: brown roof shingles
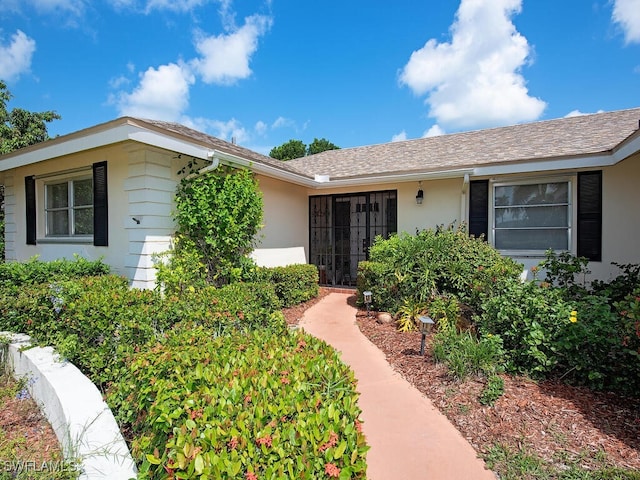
566,137
218,144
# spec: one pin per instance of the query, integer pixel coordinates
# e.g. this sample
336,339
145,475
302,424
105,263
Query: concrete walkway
409,438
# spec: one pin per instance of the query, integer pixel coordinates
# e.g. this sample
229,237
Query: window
532,217
69,208
74,205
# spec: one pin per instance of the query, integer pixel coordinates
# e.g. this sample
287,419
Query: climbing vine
218,215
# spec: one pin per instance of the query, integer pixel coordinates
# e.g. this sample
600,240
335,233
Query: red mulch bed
26,432
550,419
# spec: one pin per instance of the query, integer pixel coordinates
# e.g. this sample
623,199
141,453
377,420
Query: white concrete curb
81,419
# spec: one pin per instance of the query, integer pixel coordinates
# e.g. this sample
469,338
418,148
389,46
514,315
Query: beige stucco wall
620,218
443,202
285,217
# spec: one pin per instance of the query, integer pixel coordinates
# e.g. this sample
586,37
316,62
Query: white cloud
399,137
174,5
225,57
474,80
578,113
626,13
282,122
15,57
434,131
261,127
229,130
163,94
148,6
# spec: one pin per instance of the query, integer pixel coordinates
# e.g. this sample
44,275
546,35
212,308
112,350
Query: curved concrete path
409,438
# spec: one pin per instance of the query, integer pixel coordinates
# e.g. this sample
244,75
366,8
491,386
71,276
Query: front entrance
341,229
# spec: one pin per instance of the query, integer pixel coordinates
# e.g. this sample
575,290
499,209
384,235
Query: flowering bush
245,406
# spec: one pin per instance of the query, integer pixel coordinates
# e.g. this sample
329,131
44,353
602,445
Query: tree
320,145
20,128
289,150
297,149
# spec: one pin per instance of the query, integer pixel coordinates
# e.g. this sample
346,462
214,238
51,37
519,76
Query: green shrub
293,284
16,274
600,346
445,261
466,355
566,271
237,306
180,269
529,319
622,286
95,322
492,391
380,280
277,406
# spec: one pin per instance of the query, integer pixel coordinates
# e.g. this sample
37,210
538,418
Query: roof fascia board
628,147
155,139
262,168
394,178
548,165
66,147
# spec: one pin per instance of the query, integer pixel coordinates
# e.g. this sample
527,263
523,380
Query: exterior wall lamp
426,324
420,194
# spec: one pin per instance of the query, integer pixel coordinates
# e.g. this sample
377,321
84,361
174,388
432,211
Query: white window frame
57,180
569,180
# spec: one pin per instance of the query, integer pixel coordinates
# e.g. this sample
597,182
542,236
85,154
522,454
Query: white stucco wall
149,187
141,185
118,242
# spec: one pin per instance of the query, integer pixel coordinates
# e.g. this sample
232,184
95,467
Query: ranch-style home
570,184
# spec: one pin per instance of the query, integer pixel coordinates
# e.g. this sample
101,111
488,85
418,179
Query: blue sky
355,72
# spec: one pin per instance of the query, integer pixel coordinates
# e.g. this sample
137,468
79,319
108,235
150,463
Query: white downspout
463,200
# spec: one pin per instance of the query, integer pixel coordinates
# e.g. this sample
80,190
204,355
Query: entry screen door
342,227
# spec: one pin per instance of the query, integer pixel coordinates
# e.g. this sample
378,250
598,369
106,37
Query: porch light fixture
426,324
368,296
420,194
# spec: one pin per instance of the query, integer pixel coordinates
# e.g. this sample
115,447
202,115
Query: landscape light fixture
425,324
420,194
368,296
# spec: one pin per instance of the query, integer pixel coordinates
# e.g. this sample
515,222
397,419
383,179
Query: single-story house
107,192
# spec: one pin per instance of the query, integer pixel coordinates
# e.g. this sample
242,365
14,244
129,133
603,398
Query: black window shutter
479,208
590,215
100,205
30,198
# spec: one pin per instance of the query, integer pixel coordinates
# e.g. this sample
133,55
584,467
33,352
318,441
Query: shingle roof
562,138
218,144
